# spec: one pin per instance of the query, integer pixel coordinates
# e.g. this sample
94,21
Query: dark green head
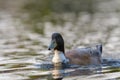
57,42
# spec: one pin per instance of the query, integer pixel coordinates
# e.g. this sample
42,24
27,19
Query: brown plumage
84,56
80,56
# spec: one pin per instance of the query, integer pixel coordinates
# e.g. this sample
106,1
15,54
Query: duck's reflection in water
59,73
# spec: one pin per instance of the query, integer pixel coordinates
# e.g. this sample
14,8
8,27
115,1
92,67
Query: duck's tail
99,47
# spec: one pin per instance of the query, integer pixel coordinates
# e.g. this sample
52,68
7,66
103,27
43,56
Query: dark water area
23,47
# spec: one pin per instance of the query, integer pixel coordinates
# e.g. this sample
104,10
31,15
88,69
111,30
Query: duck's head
57,42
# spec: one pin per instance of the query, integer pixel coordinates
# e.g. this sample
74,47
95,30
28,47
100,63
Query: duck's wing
88,51
77,56
88,55
93,51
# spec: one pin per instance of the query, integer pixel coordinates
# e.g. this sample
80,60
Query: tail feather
99,47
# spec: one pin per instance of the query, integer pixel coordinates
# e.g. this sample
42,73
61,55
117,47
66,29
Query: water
21,50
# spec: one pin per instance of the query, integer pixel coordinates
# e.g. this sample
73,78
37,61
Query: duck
78,56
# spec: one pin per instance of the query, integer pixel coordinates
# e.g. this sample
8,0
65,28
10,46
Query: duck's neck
59,57
60,47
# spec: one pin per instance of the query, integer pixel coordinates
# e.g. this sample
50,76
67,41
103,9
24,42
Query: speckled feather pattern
83,56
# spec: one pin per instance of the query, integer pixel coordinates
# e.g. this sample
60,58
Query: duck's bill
52,45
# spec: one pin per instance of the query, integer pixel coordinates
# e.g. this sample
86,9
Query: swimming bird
78,56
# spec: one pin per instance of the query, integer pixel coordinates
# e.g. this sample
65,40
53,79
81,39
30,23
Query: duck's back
85,56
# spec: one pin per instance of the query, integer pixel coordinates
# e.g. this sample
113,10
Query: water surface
21,49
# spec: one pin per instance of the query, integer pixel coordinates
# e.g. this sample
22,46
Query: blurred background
26,27
81,22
